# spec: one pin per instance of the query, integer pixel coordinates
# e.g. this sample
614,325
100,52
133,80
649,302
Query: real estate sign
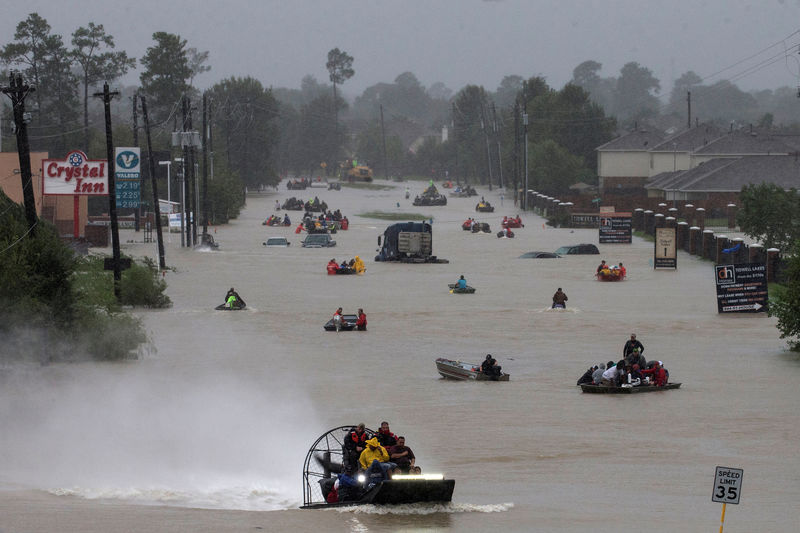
615,228
741,288
666,251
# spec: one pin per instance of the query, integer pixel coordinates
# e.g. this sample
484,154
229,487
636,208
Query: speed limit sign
727,485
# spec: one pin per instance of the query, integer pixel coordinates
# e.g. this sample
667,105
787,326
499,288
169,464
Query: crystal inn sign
76,176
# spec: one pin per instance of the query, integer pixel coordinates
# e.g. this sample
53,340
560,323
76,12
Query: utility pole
157,207
17,91
515,155
192,179
383,134
689,106
106,95
205,167
525,142
455,143
187,197
137,213
497,139
486,138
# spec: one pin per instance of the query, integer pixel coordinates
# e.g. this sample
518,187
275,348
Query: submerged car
280,242
576,249
318,240
539,255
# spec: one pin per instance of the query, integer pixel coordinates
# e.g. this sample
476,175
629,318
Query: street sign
127,193
727,485
615,228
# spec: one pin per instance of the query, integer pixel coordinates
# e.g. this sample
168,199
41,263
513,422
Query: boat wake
425,508
559,310
242,498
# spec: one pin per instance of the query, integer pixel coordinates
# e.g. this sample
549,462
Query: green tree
467,133
553,168
246,118
92,52
636,93
45,63
369,149
197,63
166,73
786,303
340,69
770,215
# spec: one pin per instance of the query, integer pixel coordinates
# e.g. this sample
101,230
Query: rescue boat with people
347,323
461,371
610,274
324,461
626,388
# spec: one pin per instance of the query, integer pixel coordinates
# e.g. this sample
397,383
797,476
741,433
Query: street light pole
168,164
525,148
183,199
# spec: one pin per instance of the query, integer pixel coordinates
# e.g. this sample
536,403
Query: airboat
324,460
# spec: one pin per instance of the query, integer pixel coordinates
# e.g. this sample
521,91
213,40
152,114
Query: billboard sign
741,288
615,228
75,175
666,251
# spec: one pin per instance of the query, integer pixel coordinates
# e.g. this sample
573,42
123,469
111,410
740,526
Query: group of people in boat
354,266
276,220
378,458
604,269
512,222
325,221
632,370
361,320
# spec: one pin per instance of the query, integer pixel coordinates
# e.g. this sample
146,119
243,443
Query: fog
150,432
451,41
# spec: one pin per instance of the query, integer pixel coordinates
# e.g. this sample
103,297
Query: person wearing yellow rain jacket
358,265
372,452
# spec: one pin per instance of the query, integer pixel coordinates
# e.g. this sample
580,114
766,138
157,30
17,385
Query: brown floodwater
209,429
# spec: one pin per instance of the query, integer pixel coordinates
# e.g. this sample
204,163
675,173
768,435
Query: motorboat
626,388
347,323
325,458
458,370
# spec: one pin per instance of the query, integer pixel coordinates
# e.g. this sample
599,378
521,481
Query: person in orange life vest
622,270
354,444
332,267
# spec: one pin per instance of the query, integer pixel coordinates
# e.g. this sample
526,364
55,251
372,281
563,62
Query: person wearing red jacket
659,374
361,322
332,267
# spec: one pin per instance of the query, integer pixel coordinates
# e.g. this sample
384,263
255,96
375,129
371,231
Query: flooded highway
209,429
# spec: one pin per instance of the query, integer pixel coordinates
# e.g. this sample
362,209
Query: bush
786,304
141,286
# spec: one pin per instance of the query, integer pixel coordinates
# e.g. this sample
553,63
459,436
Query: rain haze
456,42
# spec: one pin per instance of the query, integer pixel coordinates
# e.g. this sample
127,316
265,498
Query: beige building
59,210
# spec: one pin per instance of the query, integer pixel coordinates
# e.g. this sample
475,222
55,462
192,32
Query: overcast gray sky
452,41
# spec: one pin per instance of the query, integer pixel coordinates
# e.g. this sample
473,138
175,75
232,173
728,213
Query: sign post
127,174
727,488
615,228
666,251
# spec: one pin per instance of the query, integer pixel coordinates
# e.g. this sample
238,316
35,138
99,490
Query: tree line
259,132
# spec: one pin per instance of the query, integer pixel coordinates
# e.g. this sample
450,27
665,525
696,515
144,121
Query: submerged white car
278,242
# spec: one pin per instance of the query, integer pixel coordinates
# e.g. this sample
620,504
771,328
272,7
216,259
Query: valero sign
75,175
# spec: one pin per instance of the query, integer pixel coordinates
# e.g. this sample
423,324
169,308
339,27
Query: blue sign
128,193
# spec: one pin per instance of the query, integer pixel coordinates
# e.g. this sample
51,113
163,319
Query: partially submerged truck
408,242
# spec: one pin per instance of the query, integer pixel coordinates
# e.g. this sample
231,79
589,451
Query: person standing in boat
354,444
361,322
560,299
631,345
